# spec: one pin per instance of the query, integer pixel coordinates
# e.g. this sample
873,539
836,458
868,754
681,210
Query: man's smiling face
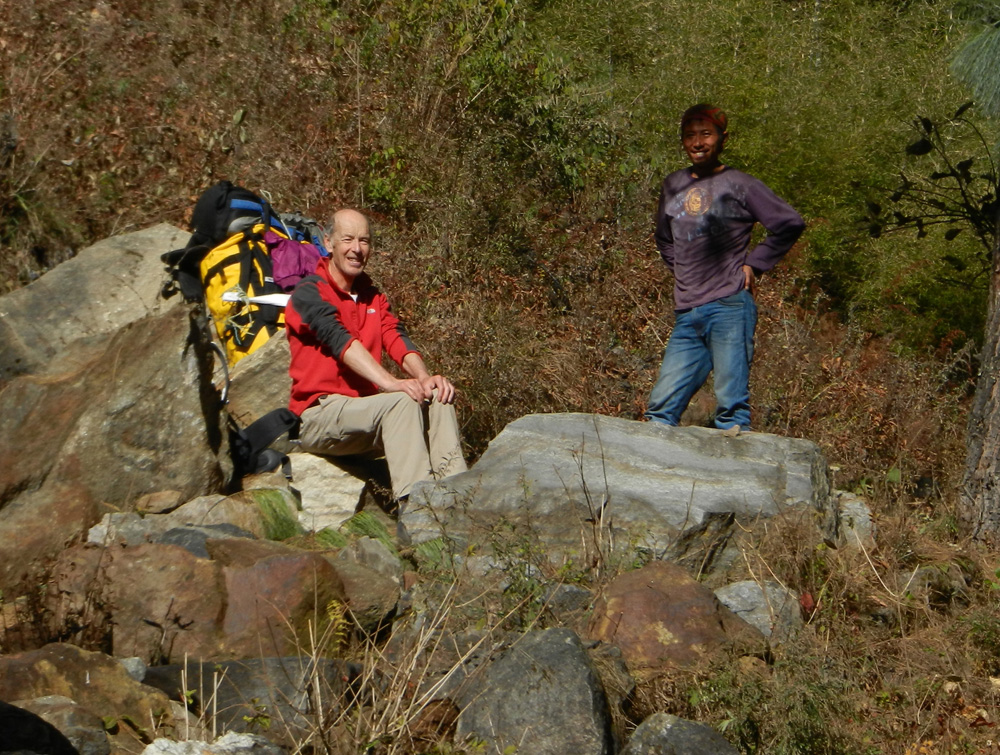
349,243
703,143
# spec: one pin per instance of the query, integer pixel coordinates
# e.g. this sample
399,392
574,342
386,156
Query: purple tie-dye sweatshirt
703,228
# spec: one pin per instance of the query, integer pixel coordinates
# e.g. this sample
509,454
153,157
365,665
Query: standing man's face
350,244
703,143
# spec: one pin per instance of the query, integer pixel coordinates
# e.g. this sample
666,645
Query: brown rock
145,427
660,616
76,600
371,596
93,680
114,423
243,552
38,525
272,602
160,602
103,288
165,602
159,503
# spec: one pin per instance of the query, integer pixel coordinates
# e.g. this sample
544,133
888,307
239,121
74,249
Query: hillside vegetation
510,152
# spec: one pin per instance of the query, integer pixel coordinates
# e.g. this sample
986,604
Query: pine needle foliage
977,61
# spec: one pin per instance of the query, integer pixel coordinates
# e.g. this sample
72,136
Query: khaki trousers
420,441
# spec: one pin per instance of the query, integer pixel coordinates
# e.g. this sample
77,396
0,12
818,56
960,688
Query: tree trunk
980,495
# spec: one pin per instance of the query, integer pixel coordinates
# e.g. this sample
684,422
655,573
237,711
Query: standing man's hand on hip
749,280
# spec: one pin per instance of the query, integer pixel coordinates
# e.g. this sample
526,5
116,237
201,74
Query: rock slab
564,475
277,693
105,287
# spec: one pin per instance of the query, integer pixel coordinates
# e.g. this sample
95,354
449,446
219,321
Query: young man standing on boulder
703,224
338,326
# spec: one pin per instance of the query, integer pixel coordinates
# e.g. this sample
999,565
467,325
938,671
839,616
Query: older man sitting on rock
339,324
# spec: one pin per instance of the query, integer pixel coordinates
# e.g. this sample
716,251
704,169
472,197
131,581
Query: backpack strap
182,267
264,431
250,444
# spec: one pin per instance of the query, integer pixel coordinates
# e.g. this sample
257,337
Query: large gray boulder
666,734
105,287
136,416
542,696
278,695
671,491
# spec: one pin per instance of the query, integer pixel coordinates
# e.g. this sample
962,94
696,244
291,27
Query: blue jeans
719,336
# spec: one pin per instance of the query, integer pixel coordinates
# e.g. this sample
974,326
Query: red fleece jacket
322,321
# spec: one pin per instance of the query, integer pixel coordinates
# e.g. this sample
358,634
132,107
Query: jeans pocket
739,299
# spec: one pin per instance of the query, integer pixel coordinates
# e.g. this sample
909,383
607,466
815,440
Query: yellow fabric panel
233,320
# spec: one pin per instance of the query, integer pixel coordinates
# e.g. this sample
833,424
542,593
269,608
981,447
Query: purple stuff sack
291,261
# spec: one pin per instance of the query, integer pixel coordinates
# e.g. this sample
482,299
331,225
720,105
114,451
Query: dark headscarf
705,112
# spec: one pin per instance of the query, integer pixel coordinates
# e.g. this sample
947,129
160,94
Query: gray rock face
25,731
260,381
228,744
856,525
542,696
768,607
82,728
566,474
131,420
281,690
105,287
664,734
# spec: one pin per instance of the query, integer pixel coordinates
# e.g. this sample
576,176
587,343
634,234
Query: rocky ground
151,600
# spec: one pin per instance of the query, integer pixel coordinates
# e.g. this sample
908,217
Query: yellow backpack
234,271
